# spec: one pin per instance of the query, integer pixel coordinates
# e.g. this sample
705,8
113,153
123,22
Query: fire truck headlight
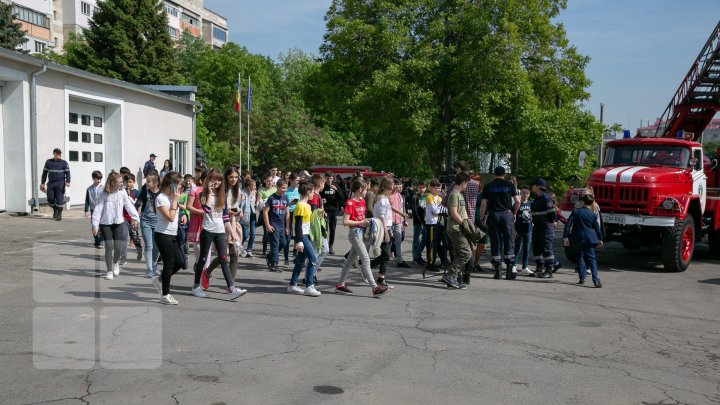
670,203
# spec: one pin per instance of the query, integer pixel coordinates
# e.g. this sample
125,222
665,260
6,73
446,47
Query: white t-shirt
229,200
163,225
213,222
383,211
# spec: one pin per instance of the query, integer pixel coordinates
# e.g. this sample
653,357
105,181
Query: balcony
35,31
193,30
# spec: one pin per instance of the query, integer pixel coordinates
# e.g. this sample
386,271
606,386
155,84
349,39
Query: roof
653,141
33,61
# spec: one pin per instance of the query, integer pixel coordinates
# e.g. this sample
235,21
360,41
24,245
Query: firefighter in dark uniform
57,174
544,216
501,201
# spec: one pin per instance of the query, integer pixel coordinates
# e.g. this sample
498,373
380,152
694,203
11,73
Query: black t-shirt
333,198
499,195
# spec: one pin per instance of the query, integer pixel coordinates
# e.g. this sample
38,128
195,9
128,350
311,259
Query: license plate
614,219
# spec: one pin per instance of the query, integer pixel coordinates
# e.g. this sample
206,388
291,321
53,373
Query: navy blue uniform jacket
582,228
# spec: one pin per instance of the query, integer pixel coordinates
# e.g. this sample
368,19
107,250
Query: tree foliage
11,34
422,78
127,40
283,132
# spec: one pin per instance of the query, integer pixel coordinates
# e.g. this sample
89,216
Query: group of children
221,210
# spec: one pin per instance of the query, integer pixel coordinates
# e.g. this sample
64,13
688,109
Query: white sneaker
158,284
109,275
311,291
116,269
236,292
198,292
514,270
293,289
588,272
240,250
168,300
526,271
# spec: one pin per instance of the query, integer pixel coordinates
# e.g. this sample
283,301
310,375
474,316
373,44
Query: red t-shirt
315,202
356,209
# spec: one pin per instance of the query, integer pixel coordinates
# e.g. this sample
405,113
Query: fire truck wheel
679,245
570,254
714,242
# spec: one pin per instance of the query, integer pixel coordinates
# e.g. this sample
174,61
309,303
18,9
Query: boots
496,267
58,217
466,278
509,275
547,272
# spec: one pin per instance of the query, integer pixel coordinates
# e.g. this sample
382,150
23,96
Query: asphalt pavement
67,336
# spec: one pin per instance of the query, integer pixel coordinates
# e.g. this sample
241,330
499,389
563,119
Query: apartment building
50,22
35,18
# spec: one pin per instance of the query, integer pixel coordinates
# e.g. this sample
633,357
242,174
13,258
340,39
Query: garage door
86,147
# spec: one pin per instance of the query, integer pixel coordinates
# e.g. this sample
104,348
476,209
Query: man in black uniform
544,217
501,202
57,173
333,200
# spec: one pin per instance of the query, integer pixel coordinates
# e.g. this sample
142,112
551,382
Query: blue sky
640,50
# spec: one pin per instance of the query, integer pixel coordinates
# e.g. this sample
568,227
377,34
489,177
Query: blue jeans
523,242
309,254
152,253
249,232
277,241
586,253
418,241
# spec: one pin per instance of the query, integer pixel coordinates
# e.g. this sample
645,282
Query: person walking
461,247
583,233
500,200
57,173
166,234
108,219
544,217
333,198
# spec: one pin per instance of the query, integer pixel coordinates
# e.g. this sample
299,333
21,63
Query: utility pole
602,139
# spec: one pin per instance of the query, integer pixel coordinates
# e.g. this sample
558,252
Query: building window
219,34
190,20
73,156
98,156
73,136
170,10
95,10
85,120
98,138
173,32
86,157
86,137
97,121
40,47
84,8
73,119
30,16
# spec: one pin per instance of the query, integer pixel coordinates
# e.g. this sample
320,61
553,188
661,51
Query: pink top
396,202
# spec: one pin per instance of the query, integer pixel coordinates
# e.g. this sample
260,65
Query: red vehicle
661,190
348,171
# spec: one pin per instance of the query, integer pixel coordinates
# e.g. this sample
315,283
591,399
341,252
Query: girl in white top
383,211
108,220
166,230
215,223
234,235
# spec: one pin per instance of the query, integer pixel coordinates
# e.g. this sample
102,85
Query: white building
98,123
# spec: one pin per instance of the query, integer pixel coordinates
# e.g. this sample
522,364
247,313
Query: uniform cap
539,182
152,155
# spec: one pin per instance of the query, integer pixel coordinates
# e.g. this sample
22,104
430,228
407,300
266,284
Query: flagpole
240,119
248,123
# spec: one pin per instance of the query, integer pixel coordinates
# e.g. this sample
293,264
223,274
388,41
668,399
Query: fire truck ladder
698,98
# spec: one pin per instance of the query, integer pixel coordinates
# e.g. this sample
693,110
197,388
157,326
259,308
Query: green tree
127,40
283,132
422,78
11,34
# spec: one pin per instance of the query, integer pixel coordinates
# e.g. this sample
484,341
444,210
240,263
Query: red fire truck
660,190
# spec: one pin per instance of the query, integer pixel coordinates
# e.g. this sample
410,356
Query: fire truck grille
632,197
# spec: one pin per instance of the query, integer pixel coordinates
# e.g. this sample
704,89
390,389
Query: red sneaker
204,280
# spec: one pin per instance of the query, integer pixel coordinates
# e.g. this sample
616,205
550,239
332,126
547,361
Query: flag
248,102
237,96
